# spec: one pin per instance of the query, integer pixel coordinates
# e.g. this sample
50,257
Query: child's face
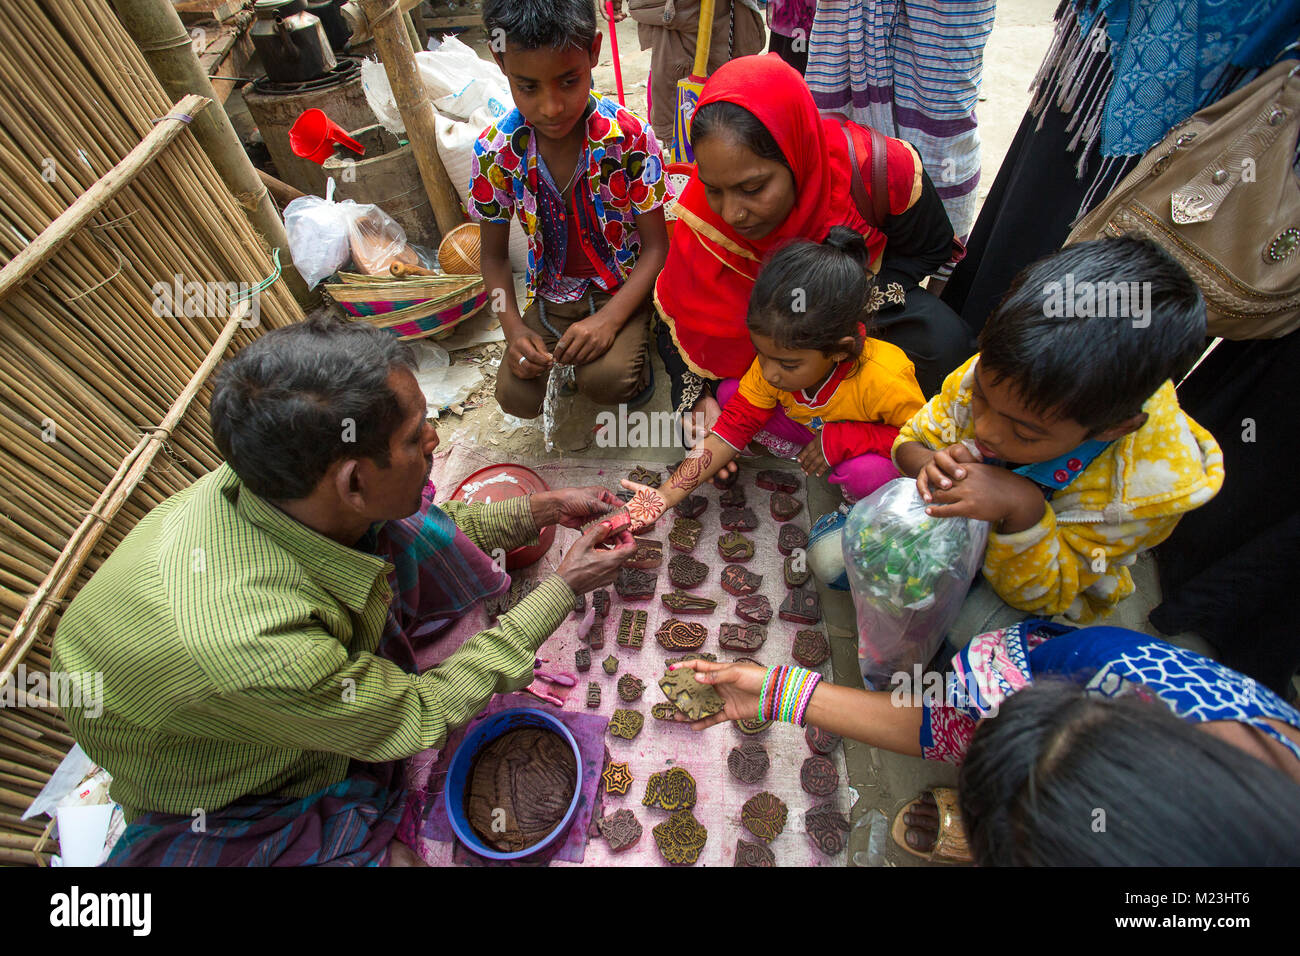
1006,429
793,369
550,86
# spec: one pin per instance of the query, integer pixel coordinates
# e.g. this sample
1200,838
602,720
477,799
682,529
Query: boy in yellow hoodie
1064,431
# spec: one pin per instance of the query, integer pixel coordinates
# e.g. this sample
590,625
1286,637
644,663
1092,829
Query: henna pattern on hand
645,508
690,474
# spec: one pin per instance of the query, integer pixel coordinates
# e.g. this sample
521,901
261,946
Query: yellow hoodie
1075,561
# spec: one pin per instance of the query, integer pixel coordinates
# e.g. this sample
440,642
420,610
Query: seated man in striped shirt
256,632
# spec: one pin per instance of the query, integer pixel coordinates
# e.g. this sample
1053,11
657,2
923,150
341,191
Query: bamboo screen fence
89,370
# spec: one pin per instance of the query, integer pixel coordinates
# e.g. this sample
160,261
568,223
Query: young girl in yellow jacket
819,386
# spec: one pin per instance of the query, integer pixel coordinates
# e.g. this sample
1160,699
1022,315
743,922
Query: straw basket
410,308
458,254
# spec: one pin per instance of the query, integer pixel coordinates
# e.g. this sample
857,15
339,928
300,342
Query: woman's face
752,195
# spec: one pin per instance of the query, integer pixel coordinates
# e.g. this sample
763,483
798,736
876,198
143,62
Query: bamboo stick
389,28
128,476
93,199
23,857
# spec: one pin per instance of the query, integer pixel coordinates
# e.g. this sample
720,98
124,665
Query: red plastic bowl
497,483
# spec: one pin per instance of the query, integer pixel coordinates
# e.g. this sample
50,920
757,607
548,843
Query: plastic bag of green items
909,574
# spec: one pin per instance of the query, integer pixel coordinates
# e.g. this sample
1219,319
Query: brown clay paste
529,774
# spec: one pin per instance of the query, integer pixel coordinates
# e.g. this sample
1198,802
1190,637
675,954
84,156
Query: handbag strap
874,207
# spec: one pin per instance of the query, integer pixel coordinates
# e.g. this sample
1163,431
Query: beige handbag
1220,195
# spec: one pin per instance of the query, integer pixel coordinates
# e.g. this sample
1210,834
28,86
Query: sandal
951,845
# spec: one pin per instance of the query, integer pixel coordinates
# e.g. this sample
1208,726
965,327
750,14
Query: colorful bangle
786,693
764,697
806,698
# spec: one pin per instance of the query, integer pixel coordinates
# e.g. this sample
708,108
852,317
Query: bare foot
922,824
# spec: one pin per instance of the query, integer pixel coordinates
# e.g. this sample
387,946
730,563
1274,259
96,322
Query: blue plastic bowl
462,762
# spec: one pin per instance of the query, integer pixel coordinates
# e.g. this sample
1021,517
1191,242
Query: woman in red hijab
769,169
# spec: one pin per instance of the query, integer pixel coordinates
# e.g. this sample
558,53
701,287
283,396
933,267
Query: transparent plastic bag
909,574
377,241
317,230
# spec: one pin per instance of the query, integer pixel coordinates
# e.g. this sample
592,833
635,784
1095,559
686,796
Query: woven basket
458,253
410,308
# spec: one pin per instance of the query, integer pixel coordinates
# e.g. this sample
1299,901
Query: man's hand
572,507
739,685
619,14
587,340
1009,501
948,465
645,507
587,566
813,459
526,355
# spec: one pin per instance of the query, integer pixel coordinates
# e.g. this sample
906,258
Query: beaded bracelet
786,694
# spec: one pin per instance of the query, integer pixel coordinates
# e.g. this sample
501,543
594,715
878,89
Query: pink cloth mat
660,744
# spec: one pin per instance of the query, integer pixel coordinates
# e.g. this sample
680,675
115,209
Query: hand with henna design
692,471
646,506
703,462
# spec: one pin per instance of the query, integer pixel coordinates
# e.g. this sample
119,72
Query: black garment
919,239
933,336
783,47
1229,570
1027,215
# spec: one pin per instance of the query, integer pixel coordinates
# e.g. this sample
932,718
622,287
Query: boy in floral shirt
587,180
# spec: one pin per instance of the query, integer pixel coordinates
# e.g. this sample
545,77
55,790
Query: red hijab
703,291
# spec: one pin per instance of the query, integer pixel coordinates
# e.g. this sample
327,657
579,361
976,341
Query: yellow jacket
1075,561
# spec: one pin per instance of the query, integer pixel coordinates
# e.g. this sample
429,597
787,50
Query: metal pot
291,42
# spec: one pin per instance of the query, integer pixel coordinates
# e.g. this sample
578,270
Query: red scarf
704,289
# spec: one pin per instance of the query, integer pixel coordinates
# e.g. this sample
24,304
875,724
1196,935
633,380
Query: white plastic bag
317,230
909,574
459,82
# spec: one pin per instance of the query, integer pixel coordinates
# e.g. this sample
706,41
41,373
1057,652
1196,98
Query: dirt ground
1021,34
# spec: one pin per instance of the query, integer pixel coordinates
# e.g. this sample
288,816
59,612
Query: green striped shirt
237,652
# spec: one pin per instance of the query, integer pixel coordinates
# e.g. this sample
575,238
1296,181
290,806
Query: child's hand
526,355
645,507
945,467
739,685
585,341
813,459
1009,501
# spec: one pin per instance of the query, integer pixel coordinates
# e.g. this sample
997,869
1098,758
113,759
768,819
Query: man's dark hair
282,407
728,119
1070,338
536,24
1040,775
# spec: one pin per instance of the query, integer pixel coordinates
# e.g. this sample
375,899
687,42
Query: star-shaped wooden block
617,778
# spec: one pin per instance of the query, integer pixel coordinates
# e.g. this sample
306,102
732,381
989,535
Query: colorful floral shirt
625,179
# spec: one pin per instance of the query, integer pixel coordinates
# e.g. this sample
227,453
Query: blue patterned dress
1108,661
